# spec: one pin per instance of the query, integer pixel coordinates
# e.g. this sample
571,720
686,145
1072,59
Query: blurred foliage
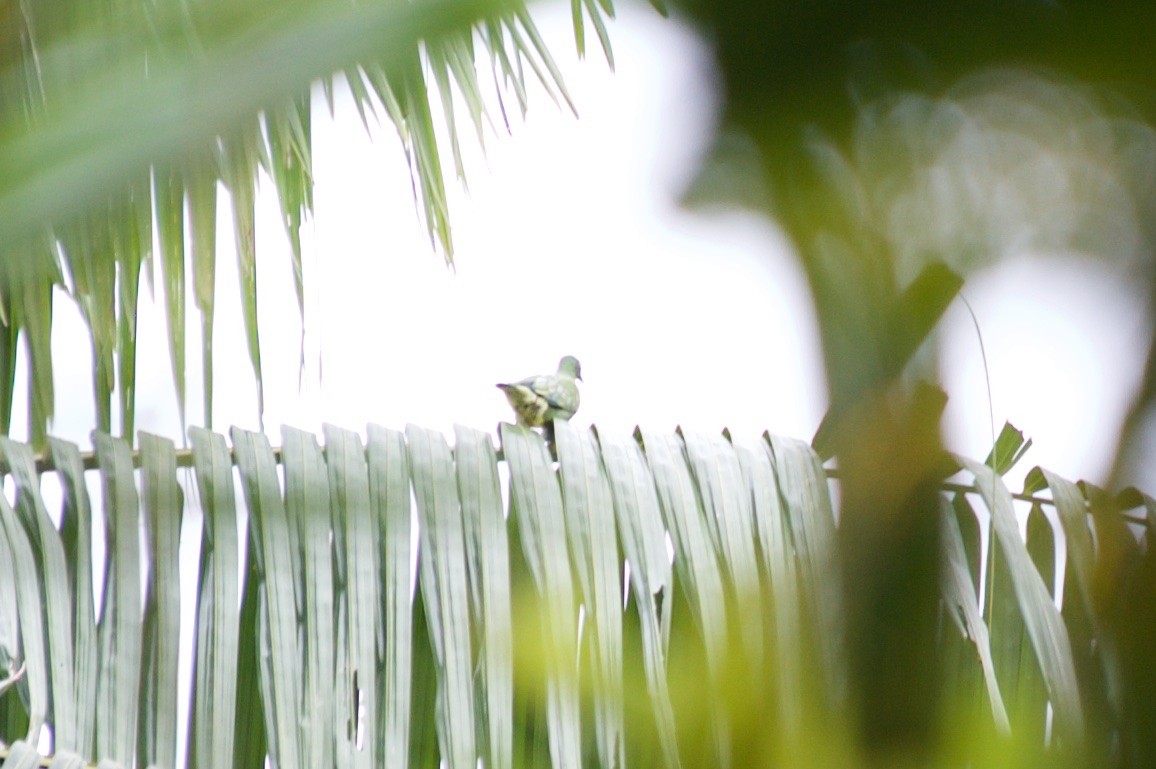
894,137
123,118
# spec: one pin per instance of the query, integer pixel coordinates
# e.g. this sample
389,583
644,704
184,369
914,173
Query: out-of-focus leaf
1118,555
968,525
87,251
202,196
579,26
460,57
595,11
1041,619
445,591
1005,622
436,58
36,318
493,34
240,162
1031,695
536,51
132,243
427,167
169,200
806,500
9,337
781,613
917,311
909,319
290,163
1081,557
134,119
166,112
963,607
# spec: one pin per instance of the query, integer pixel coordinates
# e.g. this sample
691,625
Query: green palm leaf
121,621
536,501
217,637
1041,619
445,592
326,598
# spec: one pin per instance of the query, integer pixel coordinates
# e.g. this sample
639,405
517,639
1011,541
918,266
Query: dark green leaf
1009,449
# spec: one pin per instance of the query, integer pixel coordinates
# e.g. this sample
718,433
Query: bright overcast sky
570,241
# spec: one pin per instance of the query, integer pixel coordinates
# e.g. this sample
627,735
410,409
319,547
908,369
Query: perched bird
538,400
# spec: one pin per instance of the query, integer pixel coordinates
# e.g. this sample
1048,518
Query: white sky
570,241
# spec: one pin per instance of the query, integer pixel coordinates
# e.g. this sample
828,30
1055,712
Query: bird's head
571,367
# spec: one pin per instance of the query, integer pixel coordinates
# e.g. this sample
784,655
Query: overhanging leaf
963,604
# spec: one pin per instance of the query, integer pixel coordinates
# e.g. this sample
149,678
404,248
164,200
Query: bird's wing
560,393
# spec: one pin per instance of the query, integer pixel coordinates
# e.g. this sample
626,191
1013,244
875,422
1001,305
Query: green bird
538,400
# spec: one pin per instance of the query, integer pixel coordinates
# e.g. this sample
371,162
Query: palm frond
516,646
